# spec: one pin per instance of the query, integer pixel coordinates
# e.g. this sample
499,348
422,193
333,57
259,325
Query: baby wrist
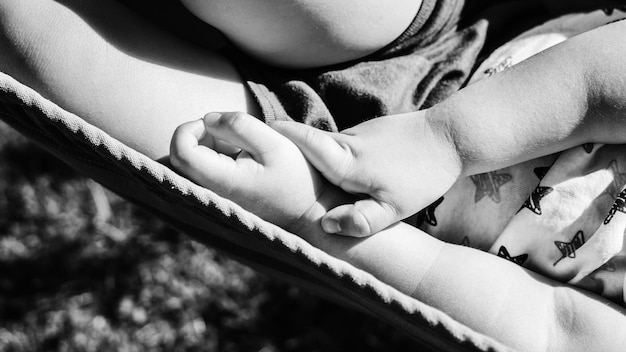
442,128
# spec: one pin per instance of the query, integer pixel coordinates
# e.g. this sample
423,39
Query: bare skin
144,92
306,33
543,106
97,63
548,315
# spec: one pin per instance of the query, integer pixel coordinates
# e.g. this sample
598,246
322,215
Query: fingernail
211,118
331,226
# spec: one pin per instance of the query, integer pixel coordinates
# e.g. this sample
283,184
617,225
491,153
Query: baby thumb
363,218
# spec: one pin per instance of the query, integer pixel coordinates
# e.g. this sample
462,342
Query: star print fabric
562,215
572,226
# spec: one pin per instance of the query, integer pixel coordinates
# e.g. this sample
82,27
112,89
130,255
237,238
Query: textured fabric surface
560,215
222,224
429,61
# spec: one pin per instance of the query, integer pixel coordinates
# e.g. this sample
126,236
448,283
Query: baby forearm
567,95
521,309
479,290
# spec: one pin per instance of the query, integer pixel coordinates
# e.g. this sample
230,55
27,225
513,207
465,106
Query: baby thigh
101,61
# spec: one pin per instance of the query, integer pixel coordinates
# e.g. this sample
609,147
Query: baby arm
103,62
570,94
271,178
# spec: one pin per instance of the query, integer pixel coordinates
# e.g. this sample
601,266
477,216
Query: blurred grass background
83,270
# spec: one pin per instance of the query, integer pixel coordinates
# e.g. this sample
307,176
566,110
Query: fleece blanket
224,225
221,223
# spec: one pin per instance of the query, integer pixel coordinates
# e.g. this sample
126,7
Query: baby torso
302,33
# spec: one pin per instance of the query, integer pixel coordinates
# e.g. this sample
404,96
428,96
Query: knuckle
176,161
390,211
353,182
176,152
180,156
179,131
360,222
346,166
339,169
311,136
236,121
179,159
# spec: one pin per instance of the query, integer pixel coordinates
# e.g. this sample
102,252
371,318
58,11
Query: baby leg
101,61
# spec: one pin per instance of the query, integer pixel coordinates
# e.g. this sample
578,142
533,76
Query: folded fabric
561,215
224,225
571,228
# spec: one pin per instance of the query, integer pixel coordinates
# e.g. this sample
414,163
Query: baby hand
267,174
401,164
